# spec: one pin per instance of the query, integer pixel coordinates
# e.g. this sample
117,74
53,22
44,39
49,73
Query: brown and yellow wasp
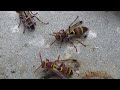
73,32
58,67
27,18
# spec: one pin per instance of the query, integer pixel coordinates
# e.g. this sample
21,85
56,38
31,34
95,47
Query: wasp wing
58,73
73,26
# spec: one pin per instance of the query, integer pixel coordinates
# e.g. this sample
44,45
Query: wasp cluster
61,68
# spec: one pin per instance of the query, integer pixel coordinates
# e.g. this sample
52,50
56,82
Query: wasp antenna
73,21
58,58
52,43
52,34
19,23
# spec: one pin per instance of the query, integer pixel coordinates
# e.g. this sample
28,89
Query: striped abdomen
65,70
79,31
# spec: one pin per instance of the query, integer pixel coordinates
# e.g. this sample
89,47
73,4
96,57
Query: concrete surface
19,52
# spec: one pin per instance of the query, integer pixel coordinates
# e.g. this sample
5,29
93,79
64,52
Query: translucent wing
58,73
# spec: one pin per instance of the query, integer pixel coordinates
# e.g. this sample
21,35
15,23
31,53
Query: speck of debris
13,71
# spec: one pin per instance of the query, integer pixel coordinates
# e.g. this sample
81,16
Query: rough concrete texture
19,53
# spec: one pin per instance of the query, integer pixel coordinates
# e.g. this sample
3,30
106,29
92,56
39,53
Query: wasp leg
40,20
46,70
37,17
34,23
19,23
24,30
81,43
40,57
61,43
73,45
41,62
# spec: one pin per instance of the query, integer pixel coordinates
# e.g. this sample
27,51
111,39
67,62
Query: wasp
74,31
27,18
66,67
51,66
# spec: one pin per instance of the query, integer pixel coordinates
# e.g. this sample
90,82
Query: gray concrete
19,52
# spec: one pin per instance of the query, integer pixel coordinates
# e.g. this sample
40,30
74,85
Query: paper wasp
27,18
74,31
59,67
51,66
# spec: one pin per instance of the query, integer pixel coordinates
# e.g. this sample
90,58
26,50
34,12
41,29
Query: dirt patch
96,75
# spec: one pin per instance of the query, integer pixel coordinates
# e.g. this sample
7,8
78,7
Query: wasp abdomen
65,70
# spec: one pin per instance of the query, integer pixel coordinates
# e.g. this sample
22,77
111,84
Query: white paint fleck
118,30
15,29
37,42
67,56
92,35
